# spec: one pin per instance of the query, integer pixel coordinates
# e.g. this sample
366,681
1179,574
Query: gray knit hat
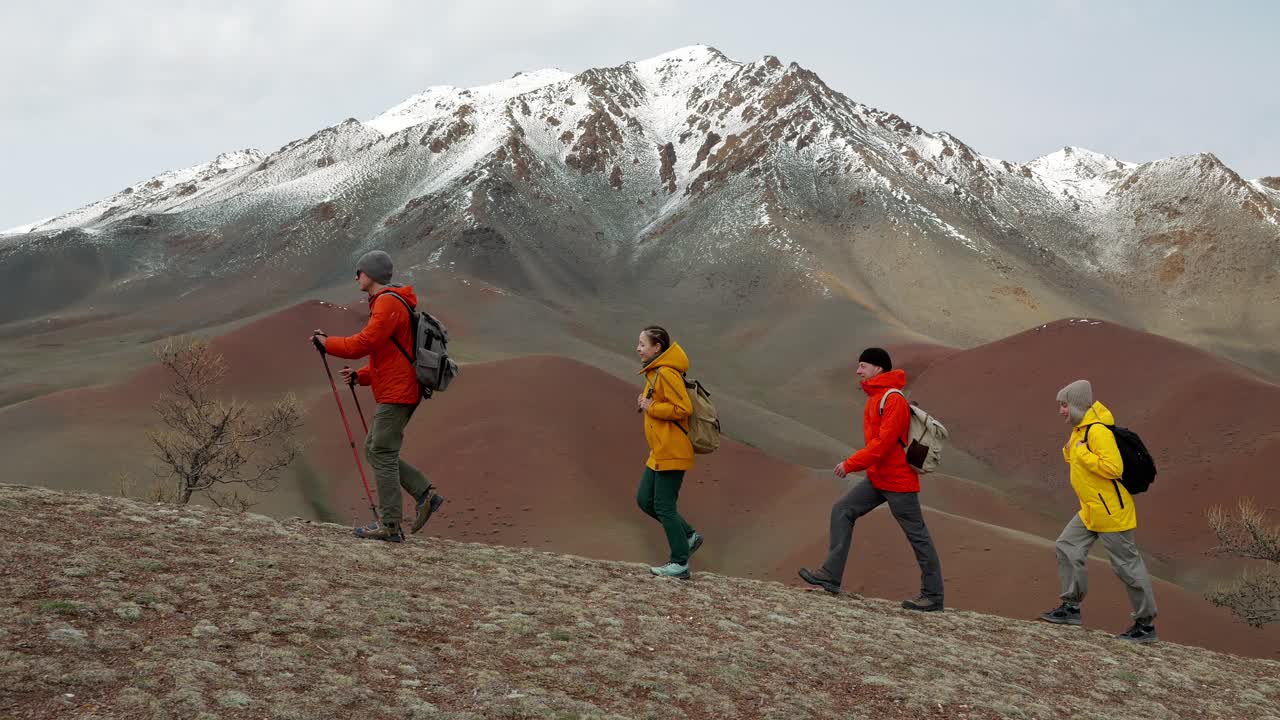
377,265
1079,398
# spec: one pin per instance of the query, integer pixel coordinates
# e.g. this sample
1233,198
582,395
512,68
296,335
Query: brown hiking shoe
425,508
922,604
821,578
380,532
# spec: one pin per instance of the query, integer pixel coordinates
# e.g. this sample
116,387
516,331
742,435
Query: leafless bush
207,441
1254,597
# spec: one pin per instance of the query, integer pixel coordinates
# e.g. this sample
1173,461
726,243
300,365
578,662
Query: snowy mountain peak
444,99
696,54
1074,164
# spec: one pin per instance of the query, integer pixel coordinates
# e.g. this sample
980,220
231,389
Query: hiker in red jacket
385,341
889,480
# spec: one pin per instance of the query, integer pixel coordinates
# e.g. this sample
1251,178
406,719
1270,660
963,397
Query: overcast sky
97,96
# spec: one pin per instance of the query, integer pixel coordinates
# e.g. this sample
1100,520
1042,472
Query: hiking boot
381,532
695,542
820,578
671,570
1064,614
922,604
1142,632
426,507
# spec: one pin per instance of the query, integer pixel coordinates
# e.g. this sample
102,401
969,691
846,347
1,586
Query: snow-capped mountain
690,174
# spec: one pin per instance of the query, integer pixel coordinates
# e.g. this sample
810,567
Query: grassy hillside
119,609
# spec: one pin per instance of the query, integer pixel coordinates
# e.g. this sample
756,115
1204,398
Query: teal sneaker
671,570
695,542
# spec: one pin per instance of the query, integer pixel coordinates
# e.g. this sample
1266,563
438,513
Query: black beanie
878,357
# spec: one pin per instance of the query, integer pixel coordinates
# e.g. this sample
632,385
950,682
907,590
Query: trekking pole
359,409
346,426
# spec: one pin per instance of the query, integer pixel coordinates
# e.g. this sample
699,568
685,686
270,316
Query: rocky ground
118,609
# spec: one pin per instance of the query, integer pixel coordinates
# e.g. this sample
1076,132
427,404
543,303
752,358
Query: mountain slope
125,609
692,178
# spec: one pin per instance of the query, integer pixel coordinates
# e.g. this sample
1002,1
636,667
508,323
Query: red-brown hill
1212,426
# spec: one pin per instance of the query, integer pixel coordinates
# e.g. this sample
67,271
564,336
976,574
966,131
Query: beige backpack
704,424
927,436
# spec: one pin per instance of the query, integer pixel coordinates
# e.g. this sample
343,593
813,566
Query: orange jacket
669,445
392,376
884,458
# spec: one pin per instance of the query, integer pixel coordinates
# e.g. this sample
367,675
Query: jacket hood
673,357
1098,413
892,380
404,291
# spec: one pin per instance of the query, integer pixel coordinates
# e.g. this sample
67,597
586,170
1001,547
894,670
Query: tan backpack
704,424
927,436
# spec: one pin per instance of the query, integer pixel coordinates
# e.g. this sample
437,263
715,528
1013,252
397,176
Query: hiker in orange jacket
667,408
386,341
890,479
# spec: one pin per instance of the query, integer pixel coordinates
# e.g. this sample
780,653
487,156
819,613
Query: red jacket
884,458
390,373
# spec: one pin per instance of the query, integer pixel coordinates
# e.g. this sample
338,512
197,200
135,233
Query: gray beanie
1079,398
377,265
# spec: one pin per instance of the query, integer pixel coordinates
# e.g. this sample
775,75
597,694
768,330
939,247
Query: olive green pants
382,448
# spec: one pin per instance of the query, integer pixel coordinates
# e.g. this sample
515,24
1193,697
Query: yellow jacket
667,418
1105,505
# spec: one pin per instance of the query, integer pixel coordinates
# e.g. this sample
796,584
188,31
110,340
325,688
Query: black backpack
1139,467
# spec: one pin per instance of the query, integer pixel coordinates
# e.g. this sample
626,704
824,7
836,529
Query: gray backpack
430,358
927,436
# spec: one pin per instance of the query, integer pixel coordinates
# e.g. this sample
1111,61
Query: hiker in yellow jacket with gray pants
1106,512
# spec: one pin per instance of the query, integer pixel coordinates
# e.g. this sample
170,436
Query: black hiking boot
379,532
1142,632
922,604
820,578
426,507
1064,614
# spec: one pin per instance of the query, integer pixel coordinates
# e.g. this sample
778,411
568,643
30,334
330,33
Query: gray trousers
1073,558
861,499
382,449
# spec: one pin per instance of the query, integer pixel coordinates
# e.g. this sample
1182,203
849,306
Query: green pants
657,497
382,448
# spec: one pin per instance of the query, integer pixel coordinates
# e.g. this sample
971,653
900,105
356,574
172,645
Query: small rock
69,636
204,628
129,612
189,522
234,699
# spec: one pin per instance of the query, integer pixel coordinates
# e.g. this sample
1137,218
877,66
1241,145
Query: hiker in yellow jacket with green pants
667,409
1106,511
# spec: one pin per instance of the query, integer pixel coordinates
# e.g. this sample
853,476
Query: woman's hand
645,403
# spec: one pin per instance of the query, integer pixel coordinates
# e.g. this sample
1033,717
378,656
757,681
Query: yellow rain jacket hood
1096,468
667,419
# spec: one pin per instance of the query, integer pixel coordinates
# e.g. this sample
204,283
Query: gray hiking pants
382,448
861,499
1073,558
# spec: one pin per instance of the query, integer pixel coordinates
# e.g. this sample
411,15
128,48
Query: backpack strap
410,310
885,398
657,373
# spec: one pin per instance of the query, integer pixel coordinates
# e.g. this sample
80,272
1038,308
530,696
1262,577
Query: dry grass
118,609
